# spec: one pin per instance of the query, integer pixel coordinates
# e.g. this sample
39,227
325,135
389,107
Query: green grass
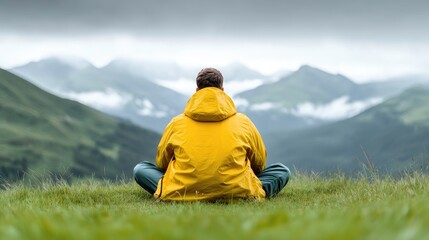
310,207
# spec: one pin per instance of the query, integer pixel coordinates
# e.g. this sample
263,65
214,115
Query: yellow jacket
210,151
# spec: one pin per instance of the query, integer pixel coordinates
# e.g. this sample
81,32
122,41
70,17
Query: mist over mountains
304,114
111,89
147,93
151,93
310,96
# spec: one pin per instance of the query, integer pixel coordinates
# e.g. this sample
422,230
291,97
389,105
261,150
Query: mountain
111,89
394,135
310,96
308,84
45,134
51,73
144,92
148,93
304,98
140,100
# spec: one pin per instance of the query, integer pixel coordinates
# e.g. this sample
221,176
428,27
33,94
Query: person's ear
196,90
222,89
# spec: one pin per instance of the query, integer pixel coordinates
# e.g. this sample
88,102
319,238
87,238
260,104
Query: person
211,152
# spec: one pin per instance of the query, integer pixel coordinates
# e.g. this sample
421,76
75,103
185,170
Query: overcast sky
363,39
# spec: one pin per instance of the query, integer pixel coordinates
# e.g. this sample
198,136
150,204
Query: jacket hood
210,105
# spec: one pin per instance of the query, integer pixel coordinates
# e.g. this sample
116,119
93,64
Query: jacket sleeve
257,153
165,151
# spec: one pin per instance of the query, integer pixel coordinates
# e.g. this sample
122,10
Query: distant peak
75,62
308,68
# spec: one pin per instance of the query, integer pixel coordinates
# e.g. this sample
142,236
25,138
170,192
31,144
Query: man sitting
211,152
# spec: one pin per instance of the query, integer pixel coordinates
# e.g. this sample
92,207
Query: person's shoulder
242,116
246,121
175,120
178,118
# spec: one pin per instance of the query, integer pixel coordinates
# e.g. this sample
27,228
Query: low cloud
241,103
108,99
339,108
387,20
148,109
265,106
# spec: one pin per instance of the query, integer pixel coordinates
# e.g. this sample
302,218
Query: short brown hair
209,77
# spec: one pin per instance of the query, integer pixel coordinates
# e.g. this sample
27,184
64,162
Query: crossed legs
274,177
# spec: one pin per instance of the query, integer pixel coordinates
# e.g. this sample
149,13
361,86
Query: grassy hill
310,207
49,135
393,136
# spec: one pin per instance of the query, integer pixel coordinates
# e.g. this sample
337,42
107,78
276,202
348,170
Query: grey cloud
365,19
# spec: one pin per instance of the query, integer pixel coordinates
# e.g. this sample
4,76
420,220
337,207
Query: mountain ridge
295,88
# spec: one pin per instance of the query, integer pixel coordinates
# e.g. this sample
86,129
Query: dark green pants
274,177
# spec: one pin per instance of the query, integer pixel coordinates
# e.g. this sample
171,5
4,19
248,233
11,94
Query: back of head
209,77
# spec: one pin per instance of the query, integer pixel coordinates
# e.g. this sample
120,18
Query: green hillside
394,136
49,135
